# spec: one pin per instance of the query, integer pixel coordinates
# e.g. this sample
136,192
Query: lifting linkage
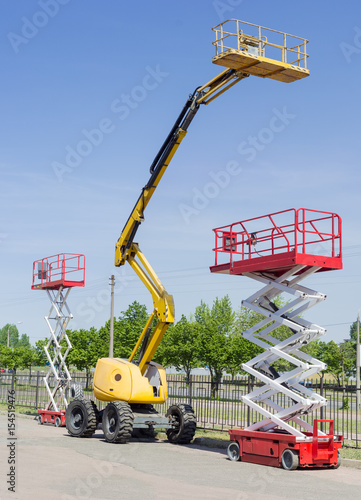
60,315
126,250
290,384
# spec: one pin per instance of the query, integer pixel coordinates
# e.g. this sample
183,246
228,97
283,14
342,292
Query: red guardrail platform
279,241
63,270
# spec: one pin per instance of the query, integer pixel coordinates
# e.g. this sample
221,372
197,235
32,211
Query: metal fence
222,411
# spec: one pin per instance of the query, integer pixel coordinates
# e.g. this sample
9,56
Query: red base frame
266,448
56,418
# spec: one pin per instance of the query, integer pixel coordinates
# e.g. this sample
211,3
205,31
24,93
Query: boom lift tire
233,451
184,423
290,459
76,391
81,418
117,422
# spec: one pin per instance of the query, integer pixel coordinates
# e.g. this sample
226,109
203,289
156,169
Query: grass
352,453
23,410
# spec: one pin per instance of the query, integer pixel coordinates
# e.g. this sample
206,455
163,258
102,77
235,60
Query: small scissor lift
279,250
57,275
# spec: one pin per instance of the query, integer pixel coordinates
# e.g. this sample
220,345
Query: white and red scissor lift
57,275
280,250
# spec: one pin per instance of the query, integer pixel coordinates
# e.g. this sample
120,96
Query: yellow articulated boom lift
132,386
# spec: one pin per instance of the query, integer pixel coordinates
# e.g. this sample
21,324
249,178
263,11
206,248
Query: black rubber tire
117,422
234,451
57,422
290,459
184,423
81,418
40,419
338,462
76,391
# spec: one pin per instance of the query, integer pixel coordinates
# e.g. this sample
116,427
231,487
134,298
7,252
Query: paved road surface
52,465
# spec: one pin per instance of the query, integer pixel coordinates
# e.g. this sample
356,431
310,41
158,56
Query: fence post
322,407
37,390
190,388
248,407
13,380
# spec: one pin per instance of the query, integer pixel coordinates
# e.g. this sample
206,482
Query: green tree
340,360
13,333
87,348
216,325
40,358
241,350
24,341
353,331
18,358
127,330
179,347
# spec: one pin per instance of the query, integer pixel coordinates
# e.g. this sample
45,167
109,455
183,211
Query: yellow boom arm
128,251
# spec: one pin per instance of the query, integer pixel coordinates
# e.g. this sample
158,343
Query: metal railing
260,41
217,407
300,231
57,269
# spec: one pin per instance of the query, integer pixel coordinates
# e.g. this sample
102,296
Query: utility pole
358,361
111,333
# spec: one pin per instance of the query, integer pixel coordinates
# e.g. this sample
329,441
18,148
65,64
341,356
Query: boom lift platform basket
260,51
57,275
279,250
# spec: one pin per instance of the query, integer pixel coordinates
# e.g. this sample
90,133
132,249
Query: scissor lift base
56,418
267,448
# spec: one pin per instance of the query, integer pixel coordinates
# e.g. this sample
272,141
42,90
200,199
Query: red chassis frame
56,418
266,448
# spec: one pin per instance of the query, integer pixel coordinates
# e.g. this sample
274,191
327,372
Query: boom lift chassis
280,256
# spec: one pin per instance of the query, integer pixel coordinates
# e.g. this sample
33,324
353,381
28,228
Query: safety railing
302,231
260,41
59,269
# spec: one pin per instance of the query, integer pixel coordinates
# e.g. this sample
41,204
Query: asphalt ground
52,465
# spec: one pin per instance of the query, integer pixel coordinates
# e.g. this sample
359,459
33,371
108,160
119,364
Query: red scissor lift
279,250
57,275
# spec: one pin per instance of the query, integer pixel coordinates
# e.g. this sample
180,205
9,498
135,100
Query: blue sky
69,66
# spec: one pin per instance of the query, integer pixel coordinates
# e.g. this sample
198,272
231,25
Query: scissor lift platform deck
64,270
278,242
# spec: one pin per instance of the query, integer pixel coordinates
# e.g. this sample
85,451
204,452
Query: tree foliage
353,331
212,337
216,326
11,331
179,347
86,347
18,358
